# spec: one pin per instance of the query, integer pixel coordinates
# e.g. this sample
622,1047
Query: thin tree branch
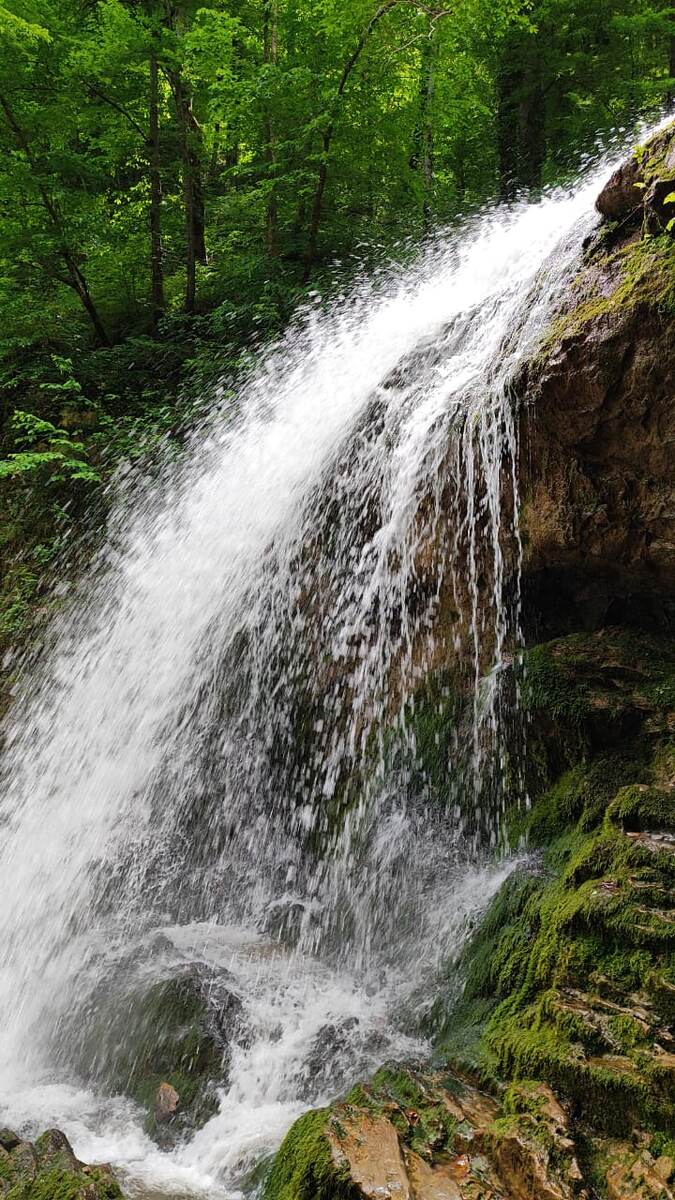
95,91
327,136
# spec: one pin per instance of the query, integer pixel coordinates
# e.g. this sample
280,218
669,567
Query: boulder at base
47,1169
167,1044
408,1136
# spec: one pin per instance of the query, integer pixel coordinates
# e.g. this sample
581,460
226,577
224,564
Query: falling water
220,761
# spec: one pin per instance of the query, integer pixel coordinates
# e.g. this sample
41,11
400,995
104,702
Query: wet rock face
566,1017
49,1170
598,516
638,1175
598,425
623,194
334,1056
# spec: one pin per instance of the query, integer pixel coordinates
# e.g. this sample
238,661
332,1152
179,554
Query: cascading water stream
221,748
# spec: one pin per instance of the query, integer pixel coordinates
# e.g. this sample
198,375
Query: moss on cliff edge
616,280
630,261
573,970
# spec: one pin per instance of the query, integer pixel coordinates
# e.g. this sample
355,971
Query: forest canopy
176,174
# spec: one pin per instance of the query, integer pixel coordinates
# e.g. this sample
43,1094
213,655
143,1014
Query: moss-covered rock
49,1170
572,968
167,1045
303,1168
638,191
428,1137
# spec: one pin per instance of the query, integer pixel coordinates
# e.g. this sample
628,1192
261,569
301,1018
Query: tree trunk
509,85
327,137
156,256
422,156
270,50
79,285
532,128
521,128
193,195
426,101
317,206
74,277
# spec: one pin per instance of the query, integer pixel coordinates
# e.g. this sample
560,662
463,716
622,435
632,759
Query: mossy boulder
167,1044
413,1136
49,1170
183,1037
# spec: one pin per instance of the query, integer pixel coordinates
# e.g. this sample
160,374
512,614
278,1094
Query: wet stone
166,1103
49,1170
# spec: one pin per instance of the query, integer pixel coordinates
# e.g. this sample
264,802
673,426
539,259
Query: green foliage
47,452
418,132
160,168
160,173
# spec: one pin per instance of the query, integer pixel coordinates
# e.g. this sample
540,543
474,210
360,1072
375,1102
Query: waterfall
219,759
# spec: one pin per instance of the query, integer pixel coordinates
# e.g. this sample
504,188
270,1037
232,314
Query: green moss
626,969
660,1144
552,686
640,808
165,1034
523,1097
594,919
60,1184
562,808
492,964
433,1126
662,693
653,157
303,1168
6,1166
628,1032
641,273
430,724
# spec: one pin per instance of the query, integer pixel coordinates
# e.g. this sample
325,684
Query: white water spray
224,744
